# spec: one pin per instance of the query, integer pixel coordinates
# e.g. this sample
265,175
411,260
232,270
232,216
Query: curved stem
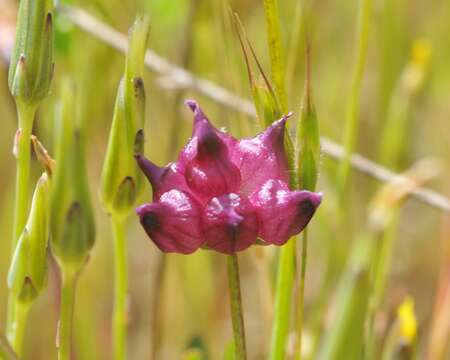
301,295
66,316
17,331
120,289
237,316
22,145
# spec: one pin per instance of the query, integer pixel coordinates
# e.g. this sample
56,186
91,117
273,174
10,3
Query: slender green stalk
66,315
6,351
120,288
16,335
22,146
380,272
275,51
301,295
352,119
285,281
295,41
237,316
157,327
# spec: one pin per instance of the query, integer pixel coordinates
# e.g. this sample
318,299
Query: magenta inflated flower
224,193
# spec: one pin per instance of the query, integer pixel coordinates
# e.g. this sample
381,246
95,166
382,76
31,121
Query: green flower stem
237,316
22,145
285,281
6,352
66,315
352,119
301,295
16,334
120,288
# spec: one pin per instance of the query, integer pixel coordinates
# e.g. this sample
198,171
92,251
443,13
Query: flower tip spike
316,199
275,132
201,122
152,172
192,104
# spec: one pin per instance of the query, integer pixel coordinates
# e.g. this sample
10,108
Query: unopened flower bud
31,67
28,272
121,179
72,225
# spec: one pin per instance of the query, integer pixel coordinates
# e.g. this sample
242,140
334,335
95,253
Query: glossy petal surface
208,168
283,213
230,223
173,223
262,158
223,193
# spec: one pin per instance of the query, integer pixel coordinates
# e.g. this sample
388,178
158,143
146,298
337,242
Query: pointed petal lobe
262,158
173,223
206,160
162,179
283,213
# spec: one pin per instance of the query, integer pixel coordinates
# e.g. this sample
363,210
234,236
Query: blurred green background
186,305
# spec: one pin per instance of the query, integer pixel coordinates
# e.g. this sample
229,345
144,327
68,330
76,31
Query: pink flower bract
224,194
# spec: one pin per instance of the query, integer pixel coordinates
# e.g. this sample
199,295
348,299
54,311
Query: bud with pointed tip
31,66
72,225
121,181
308,143
27,275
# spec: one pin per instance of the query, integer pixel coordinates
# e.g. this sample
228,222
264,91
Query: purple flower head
224,194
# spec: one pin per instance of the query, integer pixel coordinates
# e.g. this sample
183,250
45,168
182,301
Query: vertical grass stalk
237,316
66,315
275,51
120,288
286,262
308,162
17,331
301,295
283,291
22,147
353,107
